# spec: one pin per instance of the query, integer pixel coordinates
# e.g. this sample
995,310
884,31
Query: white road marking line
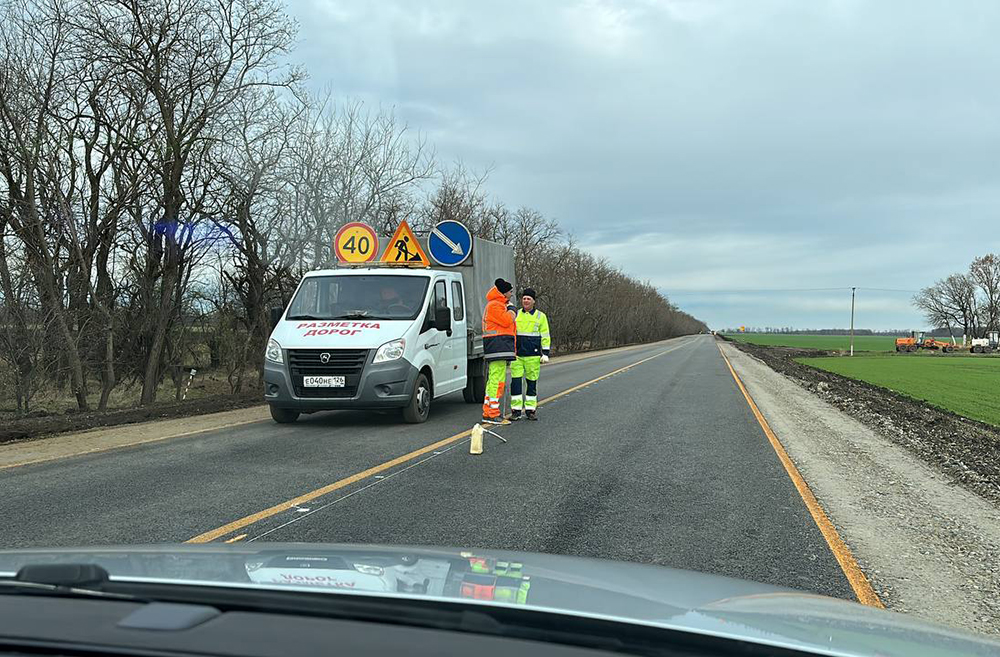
353,493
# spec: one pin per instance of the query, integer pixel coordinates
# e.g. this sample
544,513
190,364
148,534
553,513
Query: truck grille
348,363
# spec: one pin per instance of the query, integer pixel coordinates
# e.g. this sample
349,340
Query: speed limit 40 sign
355,242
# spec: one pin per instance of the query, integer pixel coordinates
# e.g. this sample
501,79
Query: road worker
498,345
533,345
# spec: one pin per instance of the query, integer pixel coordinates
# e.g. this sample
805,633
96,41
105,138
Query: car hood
631,593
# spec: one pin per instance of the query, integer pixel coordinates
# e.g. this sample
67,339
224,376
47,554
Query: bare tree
985,273
563,275
22,321
253,171
951,302
460,197
33,86
353,165
186,61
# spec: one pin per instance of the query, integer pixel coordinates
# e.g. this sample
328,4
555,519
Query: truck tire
284,415
475,390
475,382
420,401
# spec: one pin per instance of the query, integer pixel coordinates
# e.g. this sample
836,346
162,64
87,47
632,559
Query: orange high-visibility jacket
499,327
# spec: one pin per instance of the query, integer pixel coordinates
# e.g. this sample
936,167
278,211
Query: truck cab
370,338
987,344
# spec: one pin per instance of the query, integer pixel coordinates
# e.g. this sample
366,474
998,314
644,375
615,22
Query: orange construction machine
918,341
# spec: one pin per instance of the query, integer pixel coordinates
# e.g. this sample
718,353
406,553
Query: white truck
986,345
383,337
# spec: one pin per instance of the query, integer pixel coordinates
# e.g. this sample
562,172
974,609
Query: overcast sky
714,148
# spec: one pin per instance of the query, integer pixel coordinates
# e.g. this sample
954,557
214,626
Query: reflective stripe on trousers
528,367
495,382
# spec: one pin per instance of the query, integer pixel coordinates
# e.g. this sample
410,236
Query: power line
678,293
759,290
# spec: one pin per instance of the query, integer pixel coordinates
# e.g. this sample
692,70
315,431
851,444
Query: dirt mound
967,451
24,428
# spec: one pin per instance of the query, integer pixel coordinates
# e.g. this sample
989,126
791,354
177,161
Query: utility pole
852,319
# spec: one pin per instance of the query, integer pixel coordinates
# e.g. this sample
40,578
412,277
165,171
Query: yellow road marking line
246,521
108,448
855,576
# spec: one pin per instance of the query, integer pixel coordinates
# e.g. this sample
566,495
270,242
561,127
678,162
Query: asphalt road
660,463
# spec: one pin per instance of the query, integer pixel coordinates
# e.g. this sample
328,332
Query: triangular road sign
403,249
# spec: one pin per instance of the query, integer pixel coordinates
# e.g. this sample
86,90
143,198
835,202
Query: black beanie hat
503,286
529,292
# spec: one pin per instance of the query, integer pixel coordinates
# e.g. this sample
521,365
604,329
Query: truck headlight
390,351
273,351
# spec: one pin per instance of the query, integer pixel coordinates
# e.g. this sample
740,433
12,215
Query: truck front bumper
386,385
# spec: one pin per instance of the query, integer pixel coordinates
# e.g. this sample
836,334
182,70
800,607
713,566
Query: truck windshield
359,297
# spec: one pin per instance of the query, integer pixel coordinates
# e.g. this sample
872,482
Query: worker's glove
545,358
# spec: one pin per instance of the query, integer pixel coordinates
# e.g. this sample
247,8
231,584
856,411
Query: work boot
492,420
515,415
531,415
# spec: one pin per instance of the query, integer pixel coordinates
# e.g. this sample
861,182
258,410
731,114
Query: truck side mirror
442,319
276,313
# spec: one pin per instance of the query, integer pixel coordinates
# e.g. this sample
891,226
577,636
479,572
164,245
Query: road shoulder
100,440
927,546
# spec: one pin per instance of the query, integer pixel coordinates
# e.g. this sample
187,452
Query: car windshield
481,299
358,298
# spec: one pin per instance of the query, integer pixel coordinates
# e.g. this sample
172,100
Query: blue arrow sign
449,243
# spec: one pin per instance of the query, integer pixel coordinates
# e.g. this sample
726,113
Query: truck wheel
284,415
420,402
475,390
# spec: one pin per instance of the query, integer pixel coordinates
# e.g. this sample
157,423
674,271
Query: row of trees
794,331
164,180
968,301
590,303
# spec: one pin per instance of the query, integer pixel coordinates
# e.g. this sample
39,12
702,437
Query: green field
827,342
966,385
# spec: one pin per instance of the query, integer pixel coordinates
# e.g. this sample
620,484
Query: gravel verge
30,427
966,451
927,545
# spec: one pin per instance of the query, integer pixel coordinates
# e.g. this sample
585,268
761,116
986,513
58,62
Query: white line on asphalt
352,493
383,478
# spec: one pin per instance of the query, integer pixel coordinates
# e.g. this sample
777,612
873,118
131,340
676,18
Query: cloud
706,144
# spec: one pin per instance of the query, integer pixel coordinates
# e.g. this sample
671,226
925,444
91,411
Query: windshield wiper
356,314
14,587
362,314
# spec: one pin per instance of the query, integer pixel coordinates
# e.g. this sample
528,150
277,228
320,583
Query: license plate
324,381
